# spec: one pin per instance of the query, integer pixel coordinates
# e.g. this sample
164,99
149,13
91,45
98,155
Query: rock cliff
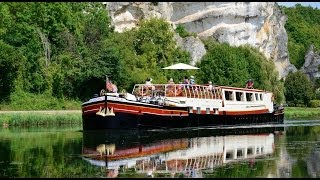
259,24
312,64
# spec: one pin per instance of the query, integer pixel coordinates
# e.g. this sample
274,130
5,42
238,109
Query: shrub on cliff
303,28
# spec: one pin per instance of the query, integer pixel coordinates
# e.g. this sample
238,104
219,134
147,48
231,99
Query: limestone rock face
193,45
259,24
311,64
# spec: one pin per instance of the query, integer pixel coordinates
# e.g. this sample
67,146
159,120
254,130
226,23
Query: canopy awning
180,66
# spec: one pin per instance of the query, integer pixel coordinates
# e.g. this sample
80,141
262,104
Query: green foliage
56,41
59,51
20,100
303,28
11,62
302,113
315,103
41,119
298,89
317,92
135,55
181,30
233,66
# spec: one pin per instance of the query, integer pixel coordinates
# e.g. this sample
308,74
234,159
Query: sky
290,4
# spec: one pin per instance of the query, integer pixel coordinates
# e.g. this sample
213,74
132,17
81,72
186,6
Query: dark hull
149,121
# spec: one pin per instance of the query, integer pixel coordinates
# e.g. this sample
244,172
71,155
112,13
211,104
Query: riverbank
40,118
74,117
296,113
23,101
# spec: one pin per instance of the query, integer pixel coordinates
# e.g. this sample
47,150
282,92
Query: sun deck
178,90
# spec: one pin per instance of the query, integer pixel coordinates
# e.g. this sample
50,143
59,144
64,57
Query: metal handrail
187,89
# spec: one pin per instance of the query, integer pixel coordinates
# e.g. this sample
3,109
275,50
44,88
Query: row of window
240,152
243,96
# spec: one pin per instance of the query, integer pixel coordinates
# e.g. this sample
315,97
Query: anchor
105,112
100,113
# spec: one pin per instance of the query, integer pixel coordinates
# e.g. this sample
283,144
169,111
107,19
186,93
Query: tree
11,62
298,89
233,66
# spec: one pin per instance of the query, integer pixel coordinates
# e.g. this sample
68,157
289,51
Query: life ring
102,92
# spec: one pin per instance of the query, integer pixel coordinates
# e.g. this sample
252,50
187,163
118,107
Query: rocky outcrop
259,24
193,45
312,64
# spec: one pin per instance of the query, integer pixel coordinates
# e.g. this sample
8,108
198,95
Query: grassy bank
23,101
57,118
301,113
40,118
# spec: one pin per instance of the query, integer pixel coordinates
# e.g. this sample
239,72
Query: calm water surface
291,150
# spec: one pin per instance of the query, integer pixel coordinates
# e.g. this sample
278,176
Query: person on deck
192,81
249,84
171,81
186,80
171,87
149,84
210,87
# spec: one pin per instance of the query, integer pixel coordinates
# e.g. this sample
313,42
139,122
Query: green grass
301,113
32,119
23,101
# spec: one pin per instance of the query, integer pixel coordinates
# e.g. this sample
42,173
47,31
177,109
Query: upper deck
177,90
187,90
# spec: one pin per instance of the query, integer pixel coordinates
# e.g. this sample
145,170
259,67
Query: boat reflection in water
175,152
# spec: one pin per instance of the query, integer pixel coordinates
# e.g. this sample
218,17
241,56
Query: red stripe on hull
133,109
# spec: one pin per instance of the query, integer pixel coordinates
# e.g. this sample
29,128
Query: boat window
239,153
258,150
239,96
261,97
257,96
228,95
249,96
229,155
250,151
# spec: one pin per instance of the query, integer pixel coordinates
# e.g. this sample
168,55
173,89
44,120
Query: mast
105,95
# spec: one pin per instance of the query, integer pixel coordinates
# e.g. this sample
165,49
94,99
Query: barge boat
180,106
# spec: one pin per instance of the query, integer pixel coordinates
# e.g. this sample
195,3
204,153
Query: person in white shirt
149,84
210,87
192,81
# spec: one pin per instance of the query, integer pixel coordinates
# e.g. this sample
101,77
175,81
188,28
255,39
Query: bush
315,103
233,66
181,30
298,89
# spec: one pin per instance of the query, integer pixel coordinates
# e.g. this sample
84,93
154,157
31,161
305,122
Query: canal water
288,150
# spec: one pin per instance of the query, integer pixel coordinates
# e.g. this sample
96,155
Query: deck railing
177,90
